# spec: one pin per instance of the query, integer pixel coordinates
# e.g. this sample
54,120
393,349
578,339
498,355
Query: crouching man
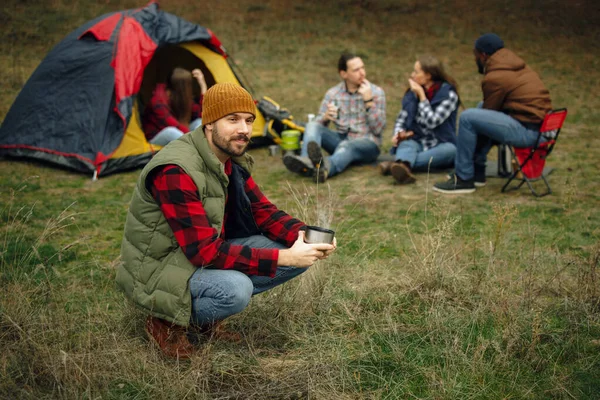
200,238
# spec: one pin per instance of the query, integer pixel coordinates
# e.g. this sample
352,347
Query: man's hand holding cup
314,244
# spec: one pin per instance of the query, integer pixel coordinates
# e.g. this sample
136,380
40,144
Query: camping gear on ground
530,161
274,150
290,140
81,107
278,120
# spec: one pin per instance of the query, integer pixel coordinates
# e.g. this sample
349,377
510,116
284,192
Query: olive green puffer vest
154,272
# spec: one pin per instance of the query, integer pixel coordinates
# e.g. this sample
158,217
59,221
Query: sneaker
478,180
455,185
171,339
402,173
479,177
385,167
321,174
299,165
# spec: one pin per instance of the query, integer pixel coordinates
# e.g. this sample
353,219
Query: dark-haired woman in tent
425,130
172,110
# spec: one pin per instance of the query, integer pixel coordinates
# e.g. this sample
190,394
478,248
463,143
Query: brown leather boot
216,330
385,167
402,173
170,338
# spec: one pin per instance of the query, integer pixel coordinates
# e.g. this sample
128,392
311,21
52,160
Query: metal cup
274,150
316,234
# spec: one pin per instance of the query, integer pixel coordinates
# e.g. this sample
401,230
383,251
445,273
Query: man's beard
480,66
226,146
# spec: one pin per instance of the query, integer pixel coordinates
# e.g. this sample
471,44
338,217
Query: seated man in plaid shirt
200,237
357,109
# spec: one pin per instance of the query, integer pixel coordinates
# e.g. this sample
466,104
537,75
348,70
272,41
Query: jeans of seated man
343,152
438,157
171,133
478,129
218,294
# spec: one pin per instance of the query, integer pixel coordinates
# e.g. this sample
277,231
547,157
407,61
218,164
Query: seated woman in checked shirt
425,131
173,111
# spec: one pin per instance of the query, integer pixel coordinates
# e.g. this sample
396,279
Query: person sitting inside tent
173,111
425,131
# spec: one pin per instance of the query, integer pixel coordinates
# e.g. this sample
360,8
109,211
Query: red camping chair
530,161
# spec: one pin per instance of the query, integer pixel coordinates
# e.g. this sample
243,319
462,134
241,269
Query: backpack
278,119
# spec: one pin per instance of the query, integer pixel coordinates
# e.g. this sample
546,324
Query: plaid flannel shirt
158,114
177,196
429,119
354,120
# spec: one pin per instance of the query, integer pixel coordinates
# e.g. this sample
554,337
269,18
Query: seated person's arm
494,94
399,126
434,118
376,114
322,117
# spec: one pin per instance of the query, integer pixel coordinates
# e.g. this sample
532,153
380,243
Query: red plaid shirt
158,114
177,196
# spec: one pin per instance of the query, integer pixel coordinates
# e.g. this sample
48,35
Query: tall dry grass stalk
313,210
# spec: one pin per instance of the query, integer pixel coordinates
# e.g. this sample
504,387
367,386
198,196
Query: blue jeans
478,129
218,294
171,133
343,151
411,151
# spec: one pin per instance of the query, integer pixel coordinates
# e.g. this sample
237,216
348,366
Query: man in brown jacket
515,102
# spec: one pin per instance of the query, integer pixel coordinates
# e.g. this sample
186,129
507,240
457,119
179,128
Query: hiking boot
321,174
455,185
321,165
402,173
314,153
215,331
171,339
385,167
299,165
478,180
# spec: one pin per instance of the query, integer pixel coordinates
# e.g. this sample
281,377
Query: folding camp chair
529,162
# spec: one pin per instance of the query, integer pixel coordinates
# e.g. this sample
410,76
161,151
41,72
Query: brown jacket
510,86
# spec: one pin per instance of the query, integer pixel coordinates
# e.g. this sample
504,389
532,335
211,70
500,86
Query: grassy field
484,296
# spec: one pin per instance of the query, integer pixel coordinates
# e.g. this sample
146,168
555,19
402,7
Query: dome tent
80,109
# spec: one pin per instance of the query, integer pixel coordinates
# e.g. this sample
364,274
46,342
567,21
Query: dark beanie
489,43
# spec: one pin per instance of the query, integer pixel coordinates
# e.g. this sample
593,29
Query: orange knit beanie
223,99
